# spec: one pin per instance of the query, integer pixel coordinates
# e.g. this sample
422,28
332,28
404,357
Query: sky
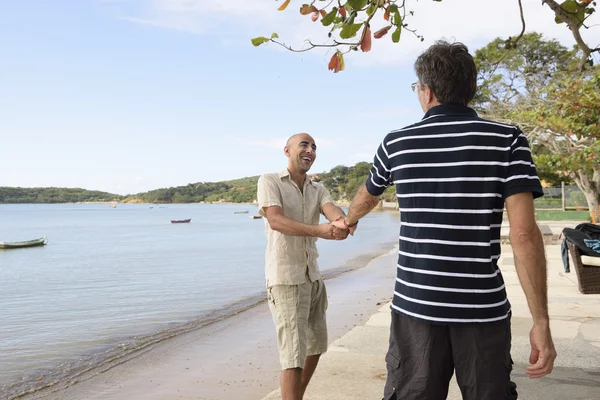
127,96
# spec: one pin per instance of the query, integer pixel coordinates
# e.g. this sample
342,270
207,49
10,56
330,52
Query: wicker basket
588,276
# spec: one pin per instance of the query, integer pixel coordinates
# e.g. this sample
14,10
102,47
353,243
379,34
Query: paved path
354,367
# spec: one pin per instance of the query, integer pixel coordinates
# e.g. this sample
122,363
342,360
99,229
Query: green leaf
337,25
571,8
372,8
358,4
397,19
396,35
274,36
257,41
330,17
350,31
351,17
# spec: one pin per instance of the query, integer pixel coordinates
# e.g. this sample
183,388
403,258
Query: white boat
29,243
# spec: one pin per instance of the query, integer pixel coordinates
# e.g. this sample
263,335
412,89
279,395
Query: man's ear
286,151
428,95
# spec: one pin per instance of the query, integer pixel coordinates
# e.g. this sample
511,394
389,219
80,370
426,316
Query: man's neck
432,104
298,177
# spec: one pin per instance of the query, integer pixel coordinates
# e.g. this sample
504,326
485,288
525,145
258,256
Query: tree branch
512,43
573,25
522,22
313,46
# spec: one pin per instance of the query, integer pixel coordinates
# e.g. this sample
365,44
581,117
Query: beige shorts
299,315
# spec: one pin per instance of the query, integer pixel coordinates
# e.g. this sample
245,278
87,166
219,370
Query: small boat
29,243
113,206
256,216
181,221
241,212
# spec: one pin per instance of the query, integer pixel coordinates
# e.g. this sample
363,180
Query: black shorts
422,358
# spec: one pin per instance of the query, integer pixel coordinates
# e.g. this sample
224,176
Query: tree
568,122
349,25
528,68
538,86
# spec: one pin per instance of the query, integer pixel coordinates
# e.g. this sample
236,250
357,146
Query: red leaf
386,15
323,13
336,64
381,33
315,16
306,9
343,12
365,44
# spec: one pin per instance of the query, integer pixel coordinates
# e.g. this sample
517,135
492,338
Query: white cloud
275,143
181,24
465,20
358,157
201,16
468,22
279,142
389,112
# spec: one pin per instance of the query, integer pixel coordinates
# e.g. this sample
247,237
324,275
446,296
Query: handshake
336,230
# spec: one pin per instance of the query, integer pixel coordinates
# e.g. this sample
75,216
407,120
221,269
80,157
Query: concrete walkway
354,366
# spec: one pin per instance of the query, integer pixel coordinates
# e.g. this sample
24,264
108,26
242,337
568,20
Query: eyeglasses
413,86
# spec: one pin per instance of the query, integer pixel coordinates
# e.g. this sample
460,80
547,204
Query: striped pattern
452,172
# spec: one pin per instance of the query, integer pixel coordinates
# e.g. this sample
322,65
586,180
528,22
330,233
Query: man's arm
530,262
368,194
332,212
528,248
287,226
361,205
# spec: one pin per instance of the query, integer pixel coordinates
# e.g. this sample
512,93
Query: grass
582,216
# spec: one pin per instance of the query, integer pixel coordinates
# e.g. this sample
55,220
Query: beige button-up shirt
291,260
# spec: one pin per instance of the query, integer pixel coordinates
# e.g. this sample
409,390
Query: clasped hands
337,230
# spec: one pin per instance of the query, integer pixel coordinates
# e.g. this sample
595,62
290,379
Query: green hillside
13,195
342,182
236,191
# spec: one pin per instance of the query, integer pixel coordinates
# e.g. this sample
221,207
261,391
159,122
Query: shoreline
248,316
337,203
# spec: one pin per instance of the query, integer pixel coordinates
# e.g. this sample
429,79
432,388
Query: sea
112,281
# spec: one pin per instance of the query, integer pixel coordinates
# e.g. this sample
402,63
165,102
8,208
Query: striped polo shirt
452,172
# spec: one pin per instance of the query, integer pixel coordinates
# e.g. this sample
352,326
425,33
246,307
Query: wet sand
233,358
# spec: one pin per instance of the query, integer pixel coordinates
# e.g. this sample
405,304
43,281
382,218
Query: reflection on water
113,279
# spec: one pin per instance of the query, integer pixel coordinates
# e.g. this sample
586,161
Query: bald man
292,204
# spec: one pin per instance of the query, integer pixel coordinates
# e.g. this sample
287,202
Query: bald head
298,137
301,151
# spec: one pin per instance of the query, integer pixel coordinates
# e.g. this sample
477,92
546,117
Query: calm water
112,279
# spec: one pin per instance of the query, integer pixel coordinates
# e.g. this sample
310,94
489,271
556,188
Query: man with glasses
454,172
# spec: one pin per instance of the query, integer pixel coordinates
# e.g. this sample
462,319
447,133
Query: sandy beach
233,358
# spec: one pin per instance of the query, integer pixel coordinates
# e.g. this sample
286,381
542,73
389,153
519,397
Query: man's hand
339,223
330,232
543,353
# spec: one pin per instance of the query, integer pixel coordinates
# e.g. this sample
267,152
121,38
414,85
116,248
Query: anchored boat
28,243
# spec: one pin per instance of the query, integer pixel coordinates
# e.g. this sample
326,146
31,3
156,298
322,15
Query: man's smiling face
301,151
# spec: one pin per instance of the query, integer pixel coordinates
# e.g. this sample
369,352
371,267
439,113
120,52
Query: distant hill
342,182
236,191
12,195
